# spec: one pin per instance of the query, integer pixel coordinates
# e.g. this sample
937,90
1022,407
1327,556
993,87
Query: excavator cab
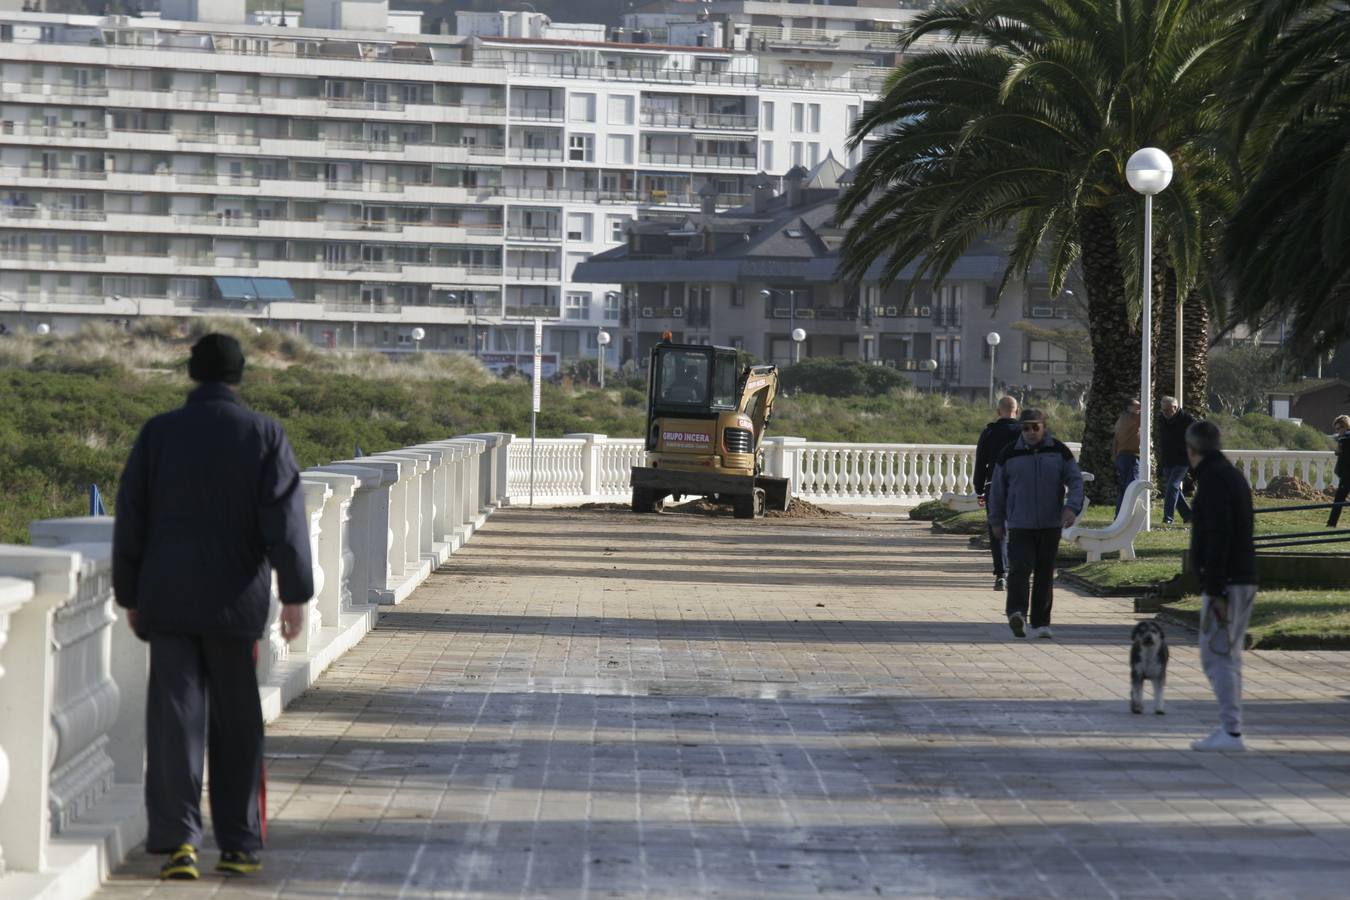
706,416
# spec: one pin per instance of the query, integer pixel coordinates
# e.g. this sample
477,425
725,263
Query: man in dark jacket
209,505
1340,426
996,436
1224,558
1172,460
1036,492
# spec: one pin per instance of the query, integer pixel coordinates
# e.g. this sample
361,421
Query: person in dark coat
1036,492
1223,556
1173,463
1341,427
209,505
996,436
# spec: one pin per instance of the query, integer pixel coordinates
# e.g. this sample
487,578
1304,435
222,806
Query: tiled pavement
603,704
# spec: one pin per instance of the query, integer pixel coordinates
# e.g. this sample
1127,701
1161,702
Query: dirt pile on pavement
801,509
1289,487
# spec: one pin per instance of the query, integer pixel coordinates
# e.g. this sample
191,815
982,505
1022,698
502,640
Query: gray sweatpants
1221,651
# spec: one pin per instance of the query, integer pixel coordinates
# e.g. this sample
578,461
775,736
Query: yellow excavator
706,417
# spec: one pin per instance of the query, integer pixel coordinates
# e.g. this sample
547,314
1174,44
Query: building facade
751,276
355,182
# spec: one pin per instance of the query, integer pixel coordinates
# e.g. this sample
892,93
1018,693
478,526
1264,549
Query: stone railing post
26,699
383,540
336,556
475,463
495,468
590,462
129,655
317,495
781,460
419,466
14,593
368,534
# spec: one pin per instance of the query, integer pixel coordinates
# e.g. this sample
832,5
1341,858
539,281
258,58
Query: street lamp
798,335
602,339
418,335
930,366
992,339
44,328
1149,171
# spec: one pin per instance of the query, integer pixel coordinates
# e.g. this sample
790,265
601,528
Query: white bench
1119,535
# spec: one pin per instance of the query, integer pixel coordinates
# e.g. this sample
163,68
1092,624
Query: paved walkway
603,704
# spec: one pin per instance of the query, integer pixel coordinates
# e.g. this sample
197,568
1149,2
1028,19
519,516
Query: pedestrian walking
995,437
1172,459
1125,450
1341,427
1035,493
1224,557
210,504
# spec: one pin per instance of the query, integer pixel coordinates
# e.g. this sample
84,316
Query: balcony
1053,367
522,233
363,103
551,154
213,137
663,118
1047,311
52,257
37,170
661,312
698,160
217,179
45,213
532,192
77,132
533,312
537,113
947,316
73,90
533,273
358,306
215,218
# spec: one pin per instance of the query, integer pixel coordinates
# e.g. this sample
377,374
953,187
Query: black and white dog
1148,660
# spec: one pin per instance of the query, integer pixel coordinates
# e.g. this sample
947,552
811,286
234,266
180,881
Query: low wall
72,676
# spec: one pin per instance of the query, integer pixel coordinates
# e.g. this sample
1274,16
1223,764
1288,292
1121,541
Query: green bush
841,378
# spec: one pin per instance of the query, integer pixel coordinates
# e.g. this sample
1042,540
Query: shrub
841,378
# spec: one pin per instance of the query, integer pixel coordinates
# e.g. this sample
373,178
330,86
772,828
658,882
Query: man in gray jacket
1036,492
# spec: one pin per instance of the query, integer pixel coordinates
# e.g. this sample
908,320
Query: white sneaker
1043,632
1219,741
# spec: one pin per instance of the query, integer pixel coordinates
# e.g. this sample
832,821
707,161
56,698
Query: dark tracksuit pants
1031,557
203,700
1342,491
998,548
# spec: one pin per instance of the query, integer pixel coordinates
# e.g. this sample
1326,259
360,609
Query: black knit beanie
216,357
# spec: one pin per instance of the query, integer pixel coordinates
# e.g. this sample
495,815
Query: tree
1240,377
1025,127
1285,245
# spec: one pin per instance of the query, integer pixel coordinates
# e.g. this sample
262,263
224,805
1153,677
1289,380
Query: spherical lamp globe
1149,170
992,339
799,334
419,334
602,338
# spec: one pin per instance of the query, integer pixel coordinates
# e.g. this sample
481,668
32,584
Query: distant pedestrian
1172,459
1035,493
997,435
1224,557
210,503
1341,426
1125,450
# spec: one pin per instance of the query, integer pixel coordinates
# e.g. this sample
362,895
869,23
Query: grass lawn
1159,550
1291,620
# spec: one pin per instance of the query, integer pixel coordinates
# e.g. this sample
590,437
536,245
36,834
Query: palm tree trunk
1115,349
1165,336
1195,354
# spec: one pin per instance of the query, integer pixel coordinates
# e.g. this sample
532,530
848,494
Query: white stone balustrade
73,677
1316,467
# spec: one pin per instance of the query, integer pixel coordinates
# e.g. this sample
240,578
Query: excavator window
683,377
724,381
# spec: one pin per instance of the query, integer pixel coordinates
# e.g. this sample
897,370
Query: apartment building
360,182
750,276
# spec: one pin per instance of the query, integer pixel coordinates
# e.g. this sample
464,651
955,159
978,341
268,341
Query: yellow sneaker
238,862
182,864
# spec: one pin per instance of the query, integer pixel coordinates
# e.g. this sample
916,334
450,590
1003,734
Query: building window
581,148
621,110
990,295
813,118
814,155
737,295
578,226
617,226
737,343
767,165
766,116
799,117
797,151
577,306
581,107
613,303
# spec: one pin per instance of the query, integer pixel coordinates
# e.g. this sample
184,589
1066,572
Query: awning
265,289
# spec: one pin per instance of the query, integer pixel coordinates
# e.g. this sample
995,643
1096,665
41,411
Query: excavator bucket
775,492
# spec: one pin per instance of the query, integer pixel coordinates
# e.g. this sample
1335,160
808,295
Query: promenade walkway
609,705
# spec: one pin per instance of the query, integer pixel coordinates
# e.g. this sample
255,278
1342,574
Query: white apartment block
354,182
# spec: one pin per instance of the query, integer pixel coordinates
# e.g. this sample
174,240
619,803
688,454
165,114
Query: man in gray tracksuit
1035,493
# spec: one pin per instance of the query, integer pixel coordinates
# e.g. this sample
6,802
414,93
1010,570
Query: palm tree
1024,126
1285,245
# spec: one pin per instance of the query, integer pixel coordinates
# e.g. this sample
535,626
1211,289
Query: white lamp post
602,339
44,328
992,339
798,335
930,366
418,335
1149,172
